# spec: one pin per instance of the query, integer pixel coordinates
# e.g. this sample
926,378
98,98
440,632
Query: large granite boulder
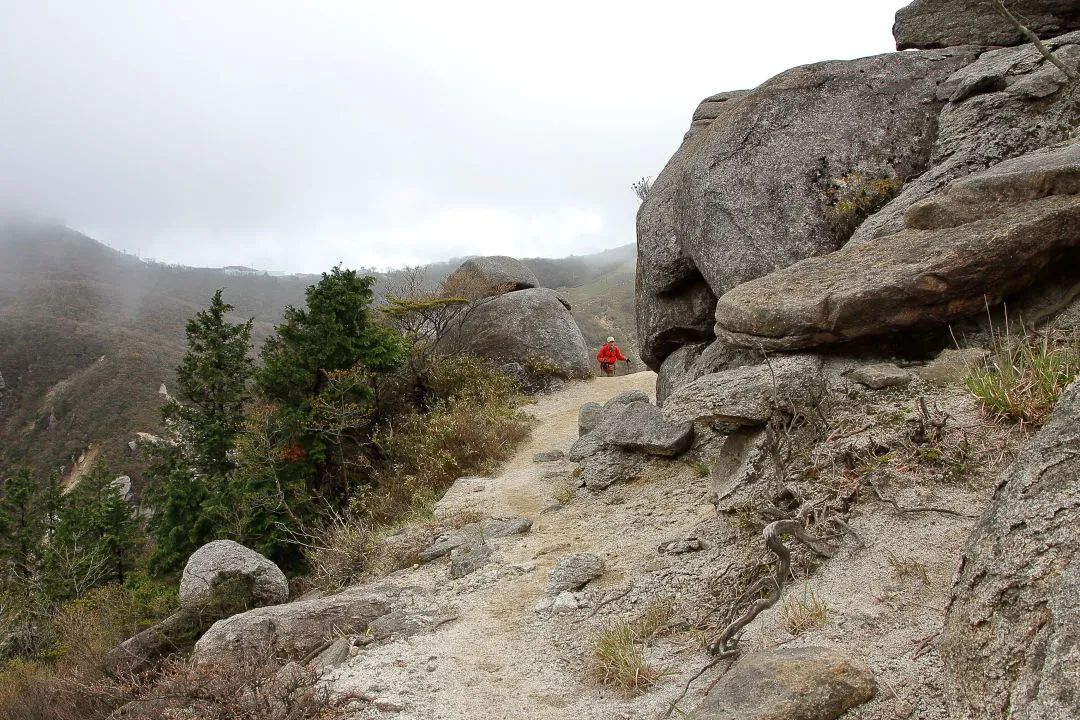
809,683
226,558
987,236
758,188
523,326
1007,103
491,275
1011,639
944,23
292,630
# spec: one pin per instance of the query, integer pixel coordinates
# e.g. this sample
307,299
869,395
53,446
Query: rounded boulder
224,558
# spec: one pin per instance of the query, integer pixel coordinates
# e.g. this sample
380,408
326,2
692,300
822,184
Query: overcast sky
294,135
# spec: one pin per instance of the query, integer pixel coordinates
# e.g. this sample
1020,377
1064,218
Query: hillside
88,335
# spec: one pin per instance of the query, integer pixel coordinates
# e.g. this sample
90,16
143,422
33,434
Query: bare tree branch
1070,73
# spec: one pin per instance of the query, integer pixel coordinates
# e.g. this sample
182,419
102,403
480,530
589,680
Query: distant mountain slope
89,334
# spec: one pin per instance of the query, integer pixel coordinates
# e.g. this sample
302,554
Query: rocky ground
497,644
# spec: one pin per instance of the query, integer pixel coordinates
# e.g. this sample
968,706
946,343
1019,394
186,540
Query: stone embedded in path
946,23
571,572
467,559
1011,637
476,533
608,466
589,416
878,376
810,683
749,395
912,280
548,456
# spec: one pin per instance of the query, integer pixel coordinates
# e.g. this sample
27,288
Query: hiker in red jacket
607,357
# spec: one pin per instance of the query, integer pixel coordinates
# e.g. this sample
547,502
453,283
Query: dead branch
999,5
901,509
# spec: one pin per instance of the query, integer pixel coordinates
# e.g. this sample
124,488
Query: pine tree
95,538
25,518
190,481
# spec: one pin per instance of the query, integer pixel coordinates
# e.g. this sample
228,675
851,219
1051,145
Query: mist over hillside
88,334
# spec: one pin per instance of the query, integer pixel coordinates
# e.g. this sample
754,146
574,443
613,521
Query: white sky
294,135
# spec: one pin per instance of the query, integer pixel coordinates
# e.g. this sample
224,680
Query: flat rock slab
475,534
490,275
292,630
748,395
911,280
878,376
809,683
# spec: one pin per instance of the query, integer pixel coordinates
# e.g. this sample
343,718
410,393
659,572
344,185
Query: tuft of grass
699,468
618,660
1025,376
805,612
908,567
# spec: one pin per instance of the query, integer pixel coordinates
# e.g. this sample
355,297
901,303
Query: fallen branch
686,688
922,508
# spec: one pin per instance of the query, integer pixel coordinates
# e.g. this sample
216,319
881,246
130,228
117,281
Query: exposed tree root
725,645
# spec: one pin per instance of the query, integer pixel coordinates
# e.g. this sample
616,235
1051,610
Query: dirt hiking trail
486,647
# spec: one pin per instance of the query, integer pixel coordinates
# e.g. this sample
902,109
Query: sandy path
500,658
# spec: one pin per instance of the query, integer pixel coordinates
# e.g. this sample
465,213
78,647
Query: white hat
610,339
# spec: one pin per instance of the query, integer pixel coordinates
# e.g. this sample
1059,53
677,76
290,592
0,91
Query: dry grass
564,493
618,659
908,567
802,612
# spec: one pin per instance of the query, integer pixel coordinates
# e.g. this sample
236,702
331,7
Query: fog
294,135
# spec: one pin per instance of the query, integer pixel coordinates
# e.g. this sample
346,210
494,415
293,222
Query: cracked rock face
987,236
1011,639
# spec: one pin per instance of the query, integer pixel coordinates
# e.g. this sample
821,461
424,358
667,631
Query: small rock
338,652
878,376
679,547
549,456
572,572
565,602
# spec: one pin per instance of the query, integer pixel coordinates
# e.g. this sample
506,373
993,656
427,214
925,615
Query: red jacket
609,353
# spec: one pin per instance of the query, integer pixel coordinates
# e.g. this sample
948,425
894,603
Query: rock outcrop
810,683
987,236
489,275
529,327
751,394
224,558
1011,640
755,190
944,23
293,630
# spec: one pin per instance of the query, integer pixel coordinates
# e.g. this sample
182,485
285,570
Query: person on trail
607,357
